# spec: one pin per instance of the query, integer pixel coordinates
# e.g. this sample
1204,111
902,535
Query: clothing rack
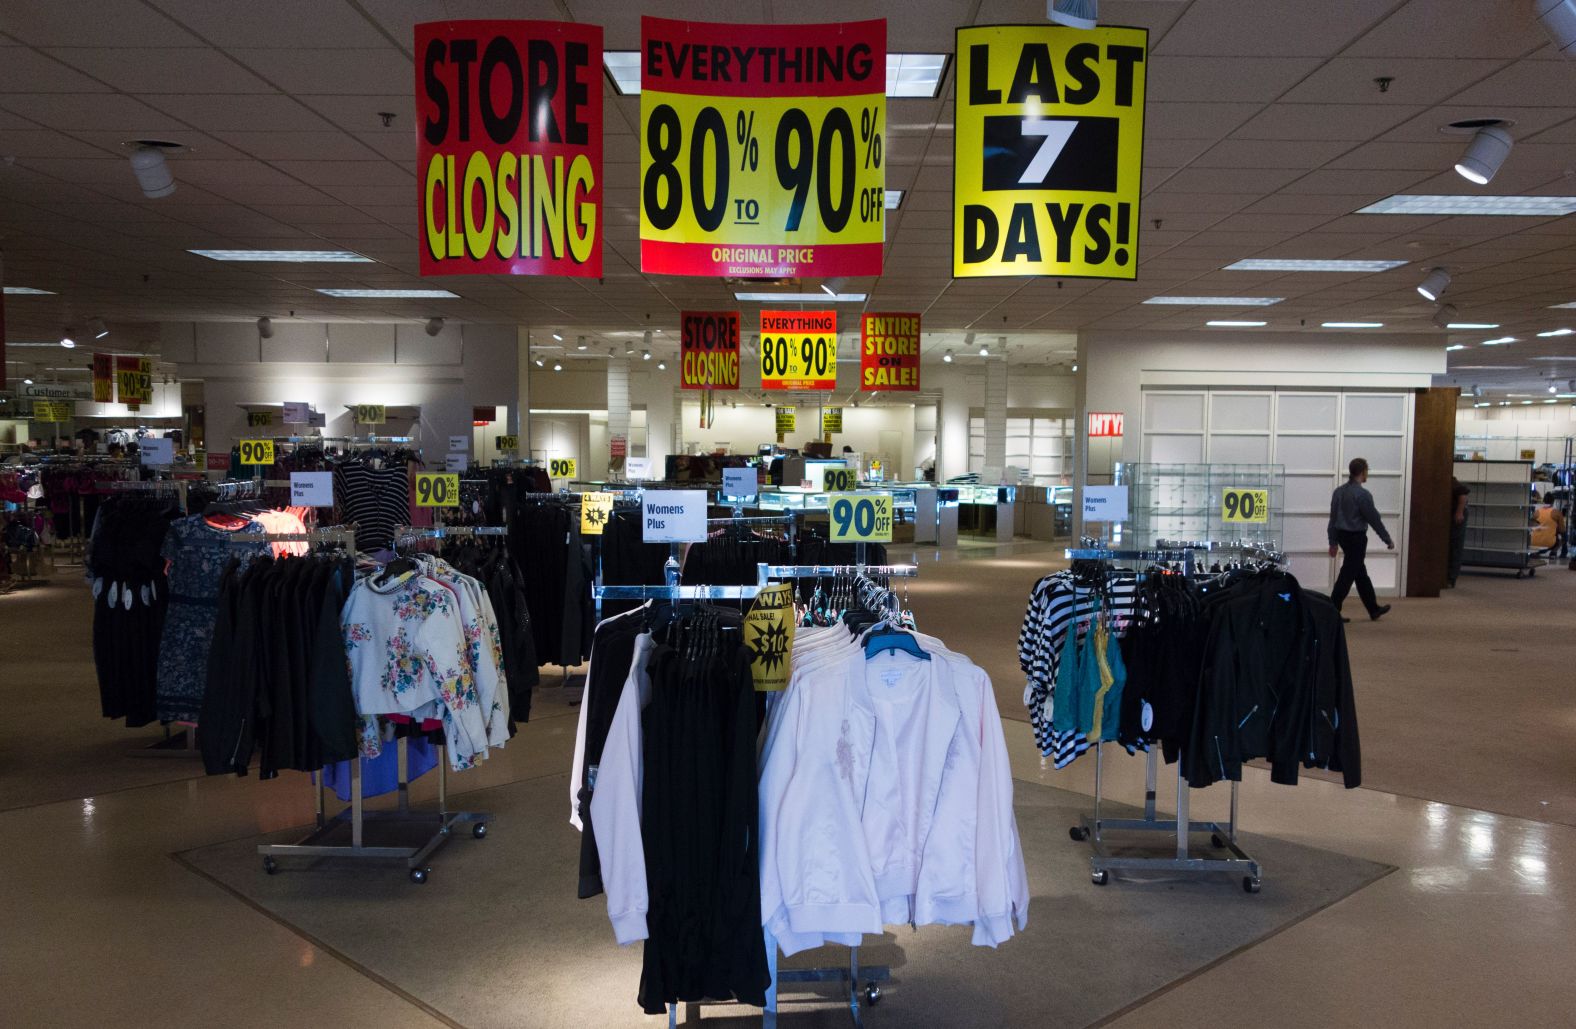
340,535
1093,827
442,821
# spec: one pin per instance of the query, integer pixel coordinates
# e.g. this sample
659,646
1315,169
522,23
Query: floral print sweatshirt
424,644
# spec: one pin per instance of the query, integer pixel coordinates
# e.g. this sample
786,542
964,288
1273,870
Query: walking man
1352,512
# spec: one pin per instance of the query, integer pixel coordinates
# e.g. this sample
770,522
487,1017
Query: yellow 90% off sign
508,442
437,489
257,451
860,517
561,468
839,480
1245,505
369,414
761,148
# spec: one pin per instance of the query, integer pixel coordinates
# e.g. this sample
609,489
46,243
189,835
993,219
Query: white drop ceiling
1266,132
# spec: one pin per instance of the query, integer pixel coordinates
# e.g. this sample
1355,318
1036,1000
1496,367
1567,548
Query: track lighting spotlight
662,366
67,342
27,382
580,343
265,327
1076,14
984,350
947,357
1553,388
1445,314
541,363
152,172
98,328
1434,284
557,366
434,326
1477,391
1485,154
645,355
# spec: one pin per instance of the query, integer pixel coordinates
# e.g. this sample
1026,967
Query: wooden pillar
1433,460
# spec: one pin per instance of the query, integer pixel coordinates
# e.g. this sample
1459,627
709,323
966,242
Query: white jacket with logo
886,797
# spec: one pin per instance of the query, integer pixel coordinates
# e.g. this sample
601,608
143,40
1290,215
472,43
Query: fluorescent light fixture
894,199
1216,301
908,75
1562,357
1353,325
1458,346
1556,332
1499,341
801,298
286,256
1482,404
541,363
1236,325
1434,284
27,291
558,337
1277,264
1524,207
1490,367
68,342
1472,325
1487,151
390,294
98,328
27,382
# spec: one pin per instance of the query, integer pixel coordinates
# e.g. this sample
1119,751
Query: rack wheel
270,865
872,994
419,875
479,830
1100,877
1532,573
1217,841
1251,883
1078,833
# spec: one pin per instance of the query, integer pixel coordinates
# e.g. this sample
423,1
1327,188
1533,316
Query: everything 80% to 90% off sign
803,156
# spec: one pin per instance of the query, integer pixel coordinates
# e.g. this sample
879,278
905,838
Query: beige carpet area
557,963
1468,699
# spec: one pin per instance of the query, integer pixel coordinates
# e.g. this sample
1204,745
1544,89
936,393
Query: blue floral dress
197,552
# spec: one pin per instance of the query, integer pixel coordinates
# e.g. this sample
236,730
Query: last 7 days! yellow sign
1048,151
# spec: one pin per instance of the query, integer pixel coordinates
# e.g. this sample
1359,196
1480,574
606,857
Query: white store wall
961,388
1501,434
1309,403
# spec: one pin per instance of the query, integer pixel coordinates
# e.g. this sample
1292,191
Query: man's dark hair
1357,467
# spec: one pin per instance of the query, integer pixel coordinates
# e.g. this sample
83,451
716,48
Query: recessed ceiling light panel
390,294
27,291
1235,324
801,298
1473,325
286,256
1278,264
1216,301
1506,206
908,75
1352,325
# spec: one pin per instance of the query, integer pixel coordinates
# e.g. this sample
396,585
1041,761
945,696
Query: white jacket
615,804
886,797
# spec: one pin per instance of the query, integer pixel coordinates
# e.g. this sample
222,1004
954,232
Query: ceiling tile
1270,27
162,69
91,23
281,23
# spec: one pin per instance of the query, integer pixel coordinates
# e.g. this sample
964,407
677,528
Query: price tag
1244,505
156,451
839,480
1105,503
297,412
786,419
456,462
257,451
740,483
369,414
673,516
768,633
259,419
769,163
798,350
860,517
312,489
437,489
561,468
459,443
595,510
509,443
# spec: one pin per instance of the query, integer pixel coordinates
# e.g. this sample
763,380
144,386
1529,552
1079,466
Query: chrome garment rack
442,822
1092,828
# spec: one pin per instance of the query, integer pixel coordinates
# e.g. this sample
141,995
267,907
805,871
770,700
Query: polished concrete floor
102,923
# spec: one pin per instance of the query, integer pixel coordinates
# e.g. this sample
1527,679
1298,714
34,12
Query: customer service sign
509,148
1048,151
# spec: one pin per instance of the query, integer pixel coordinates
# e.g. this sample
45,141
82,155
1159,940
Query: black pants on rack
1354,569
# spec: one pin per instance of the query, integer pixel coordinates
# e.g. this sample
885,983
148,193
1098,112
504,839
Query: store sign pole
1048,151
509,148
761,148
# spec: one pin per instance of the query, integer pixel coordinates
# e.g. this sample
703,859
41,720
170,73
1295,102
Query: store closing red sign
1105,423
889,353
709,350
509,148
103,378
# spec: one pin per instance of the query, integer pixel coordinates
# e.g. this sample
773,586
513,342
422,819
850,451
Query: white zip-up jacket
886,797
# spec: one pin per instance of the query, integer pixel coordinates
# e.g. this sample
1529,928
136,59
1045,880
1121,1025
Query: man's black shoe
1376,615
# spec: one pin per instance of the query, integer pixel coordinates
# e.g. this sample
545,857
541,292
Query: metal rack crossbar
442,822
438,532
347,536
1093,827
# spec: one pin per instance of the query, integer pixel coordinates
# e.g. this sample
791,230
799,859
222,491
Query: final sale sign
509,147
889,353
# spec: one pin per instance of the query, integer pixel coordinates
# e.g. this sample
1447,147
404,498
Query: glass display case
1224,504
